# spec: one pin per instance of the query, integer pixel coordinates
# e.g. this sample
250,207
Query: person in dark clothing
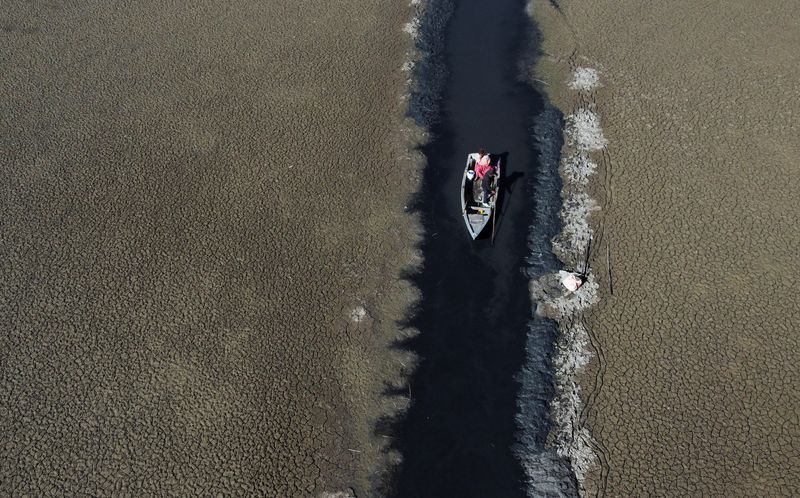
486,186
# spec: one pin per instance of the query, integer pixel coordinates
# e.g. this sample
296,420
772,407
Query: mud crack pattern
695,391
195,197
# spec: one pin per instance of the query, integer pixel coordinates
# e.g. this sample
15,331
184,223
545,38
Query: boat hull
477,215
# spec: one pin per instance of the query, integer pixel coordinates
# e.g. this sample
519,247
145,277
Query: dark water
460,435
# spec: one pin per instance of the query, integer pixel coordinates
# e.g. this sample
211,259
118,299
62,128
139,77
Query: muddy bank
694,384
198,281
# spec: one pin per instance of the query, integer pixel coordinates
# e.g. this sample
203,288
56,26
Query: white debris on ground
585,79
412,27
584,132
576,233
557,304
358,314
571,281
338,494
578,169
570,437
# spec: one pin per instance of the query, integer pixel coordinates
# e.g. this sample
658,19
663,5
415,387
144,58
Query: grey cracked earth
696,387
195,197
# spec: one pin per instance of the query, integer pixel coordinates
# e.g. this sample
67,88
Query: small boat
477,214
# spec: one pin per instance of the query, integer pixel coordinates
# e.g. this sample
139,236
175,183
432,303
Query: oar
586,261
496,199
494,215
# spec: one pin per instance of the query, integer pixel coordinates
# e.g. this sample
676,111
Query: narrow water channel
457,438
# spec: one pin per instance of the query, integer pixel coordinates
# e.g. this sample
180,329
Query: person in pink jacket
481,158
484,171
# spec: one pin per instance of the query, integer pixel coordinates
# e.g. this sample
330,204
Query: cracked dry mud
195,197
696,391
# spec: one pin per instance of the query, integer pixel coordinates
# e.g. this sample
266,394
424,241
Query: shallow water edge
477,355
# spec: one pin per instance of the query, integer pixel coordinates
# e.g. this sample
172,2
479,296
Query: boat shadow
507,186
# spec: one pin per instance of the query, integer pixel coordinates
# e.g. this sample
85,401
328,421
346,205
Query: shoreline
558,454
